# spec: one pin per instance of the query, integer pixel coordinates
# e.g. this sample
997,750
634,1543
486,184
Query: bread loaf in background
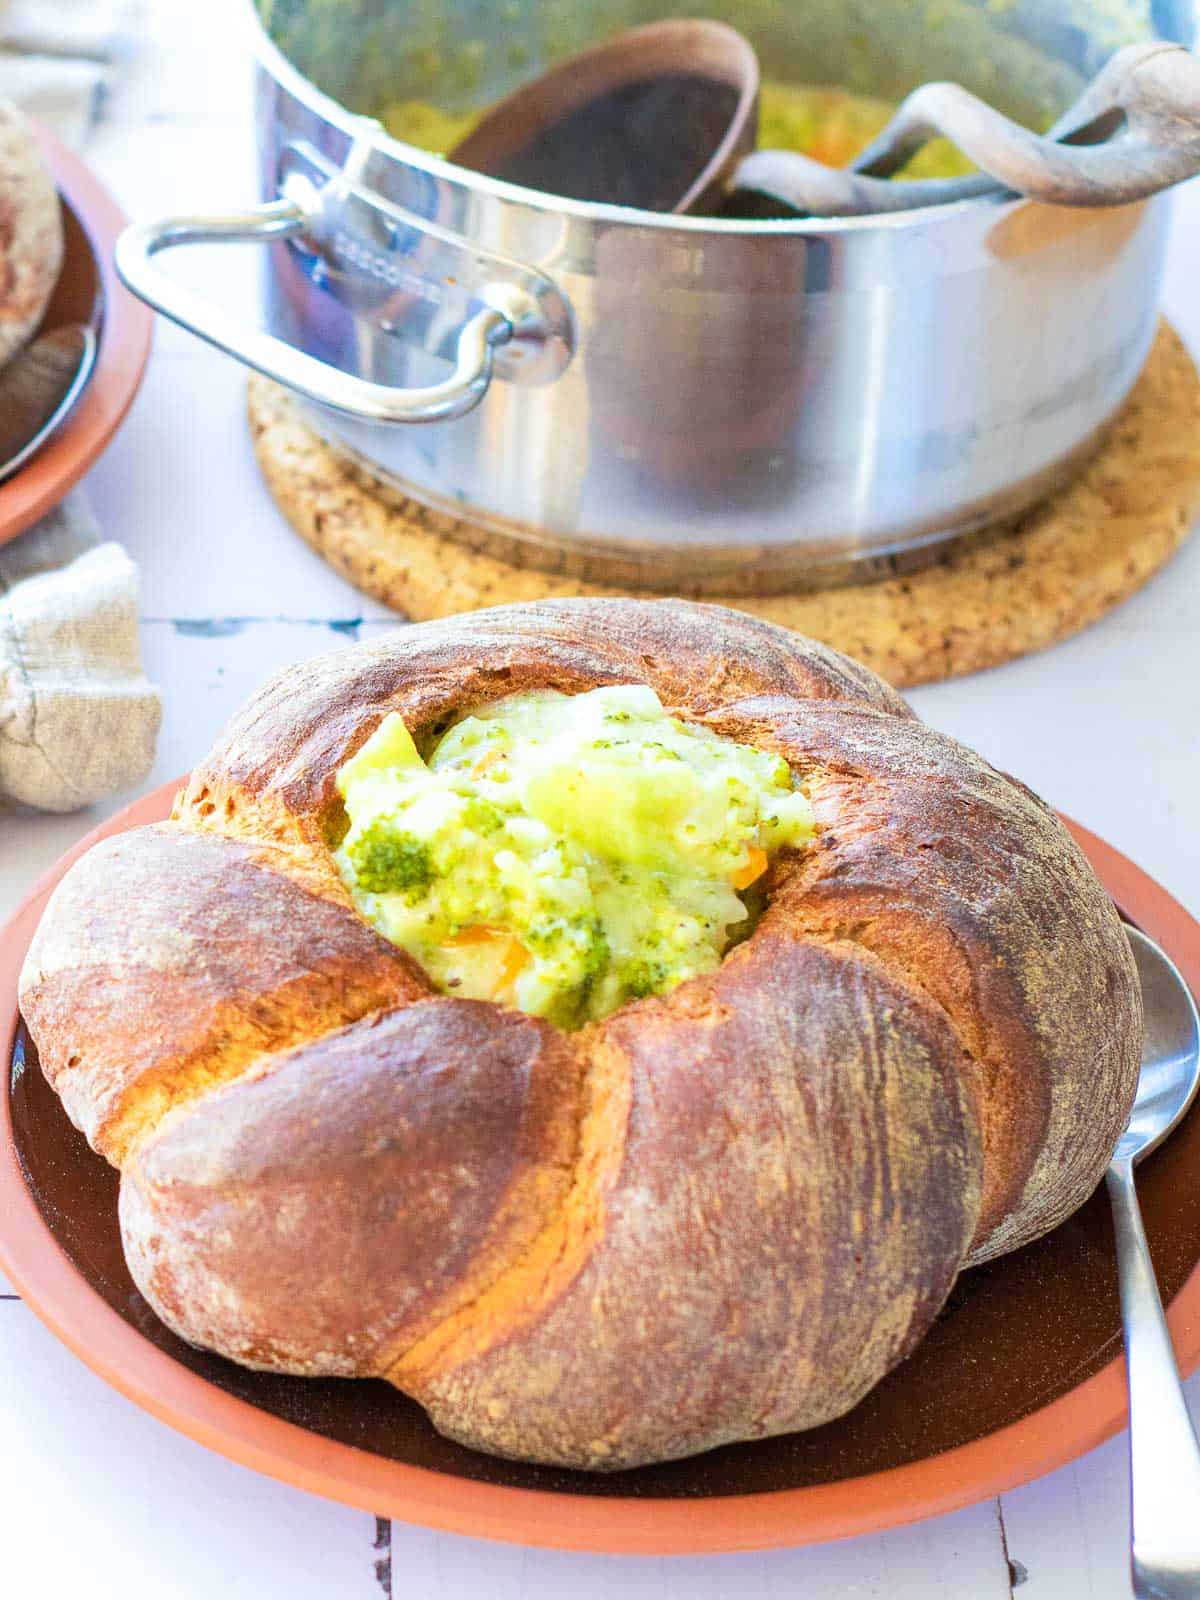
717,1214
31,235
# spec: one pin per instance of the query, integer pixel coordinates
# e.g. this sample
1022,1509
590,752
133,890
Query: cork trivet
982,601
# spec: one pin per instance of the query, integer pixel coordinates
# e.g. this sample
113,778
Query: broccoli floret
388,862
483,816
598,955
640,978
544,938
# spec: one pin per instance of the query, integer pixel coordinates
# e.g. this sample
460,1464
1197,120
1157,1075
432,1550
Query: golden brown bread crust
988,906
799,1182
716,1215
169,962
355,1192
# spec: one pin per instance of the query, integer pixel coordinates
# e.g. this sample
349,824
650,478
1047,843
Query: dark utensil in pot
656,118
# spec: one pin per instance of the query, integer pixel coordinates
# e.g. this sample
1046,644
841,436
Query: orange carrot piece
477,933
488,759
514,957
751,870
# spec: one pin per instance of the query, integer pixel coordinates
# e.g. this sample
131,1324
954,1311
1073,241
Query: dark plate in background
91,222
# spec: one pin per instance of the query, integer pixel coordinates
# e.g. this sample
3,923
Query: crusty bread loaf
31,235
717,1214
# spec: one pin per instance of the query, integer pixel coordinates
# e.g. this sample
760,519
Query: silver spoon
1164,1456
38,387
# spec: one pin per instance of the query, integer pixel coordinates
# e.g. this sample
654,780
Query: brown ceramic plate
91,221
1021,1373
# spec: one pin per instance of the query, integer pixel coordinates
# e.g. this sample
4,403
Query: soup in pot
830,125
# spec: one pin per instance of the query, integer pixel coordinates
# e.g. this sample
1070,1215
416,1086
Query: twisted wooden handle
1134,131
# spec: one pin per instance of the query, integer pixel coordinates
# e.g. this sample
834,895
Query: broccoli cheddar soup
563,854
829,124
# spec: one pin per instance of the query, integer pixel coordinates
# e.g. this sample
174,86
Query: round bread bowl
91,220
719,1213
1046,1317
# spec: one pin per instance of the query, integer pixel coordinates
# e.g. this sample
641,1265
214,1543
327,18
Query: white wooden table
96,1498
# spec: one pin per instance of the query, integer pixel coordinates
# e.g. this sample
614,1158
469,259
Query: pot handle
504,306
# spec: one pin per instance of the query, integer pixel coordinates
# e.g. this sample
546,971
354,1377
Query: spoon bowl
88,291
1170,1073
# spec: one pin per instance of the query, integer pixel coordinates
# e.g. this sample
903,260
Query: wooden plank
952,1558
101,1500
181,491
1068,1533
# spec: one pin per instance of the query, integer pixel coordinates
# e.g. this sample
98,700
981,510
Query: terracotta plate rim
120,363
1048,1438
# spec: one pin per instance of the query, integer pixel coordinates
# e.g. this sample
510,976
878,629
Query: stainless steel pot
679,401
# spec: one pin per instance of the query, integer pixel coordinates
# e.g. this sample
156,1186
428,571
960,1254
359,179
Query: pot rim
354,125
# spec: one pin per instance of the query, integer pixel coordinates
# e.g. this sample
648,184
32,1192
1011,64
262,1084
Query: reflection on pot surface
693,401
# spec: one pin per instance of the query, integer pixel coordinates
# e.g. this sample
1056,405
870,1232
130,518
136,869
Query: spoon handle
1164,1457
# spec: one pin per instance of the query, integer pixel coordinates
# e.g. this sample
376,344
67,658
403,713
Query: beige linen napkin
78,720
